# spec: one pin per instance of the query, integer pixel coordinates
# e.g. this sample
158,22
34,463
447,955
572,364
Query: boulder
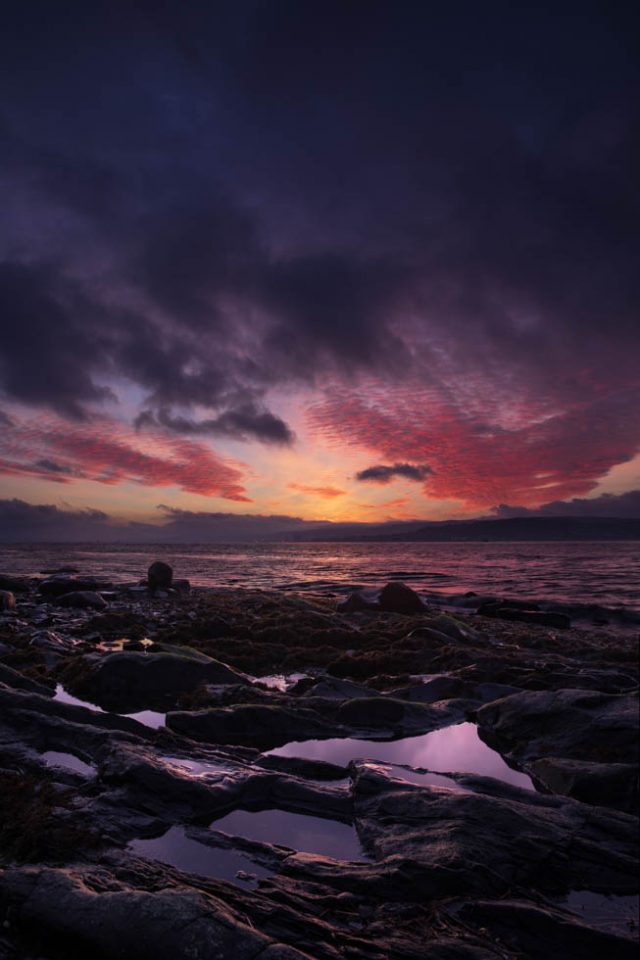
251,725
58,585
575,724
13,678
172,924
181,586
524,613
85,599
159,576
14,584
445,843
397,597
126,682
578,743
372,712
355,603
612,785
7,600
538,933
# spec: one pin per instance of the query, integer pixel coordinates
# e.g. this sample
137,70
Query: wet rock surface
454,864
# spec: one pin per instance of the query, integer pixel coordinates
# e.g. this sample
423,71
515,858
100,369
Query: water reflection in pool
67,760
422,779
328,838
280,681
175,848
150,718
610,913
198,768
455,749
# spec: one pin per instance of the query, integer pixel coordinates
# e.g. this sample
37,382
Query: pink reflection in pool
456,749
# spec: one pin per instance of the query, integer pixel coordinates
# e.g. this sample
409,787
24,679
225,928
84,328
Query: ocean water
606,574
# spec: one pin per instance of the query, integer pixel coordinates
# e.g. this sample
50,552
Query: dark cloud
24,522
52,466
273,195
623,505
246,422
48,349
385,474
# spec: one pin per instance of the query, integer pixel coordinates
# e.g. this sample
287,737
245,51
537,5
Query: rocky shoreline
143,724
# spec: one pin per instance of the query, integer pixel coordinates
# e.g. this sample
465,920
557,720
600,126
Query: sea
586,577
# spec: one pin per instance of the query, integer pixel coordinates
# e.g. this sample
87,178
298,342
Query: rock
85,599
181,586
453,628
126,682
14,584
525,613
424,636
577,724
580,743
7,600
159,576
253,725
176,924
435,689
58,585
66,569
529,930
443,843
488,607
355,603
397,597
12,678
612,785
332,688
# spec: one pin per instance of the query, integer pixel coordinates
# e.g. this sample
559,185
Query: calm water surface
604,573
455,749
328,838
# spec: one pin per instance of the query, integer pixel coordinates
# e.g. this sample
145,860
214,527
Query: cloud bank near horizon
22,522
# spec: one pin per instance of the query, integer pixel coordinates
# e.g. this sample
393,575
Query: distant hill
514,528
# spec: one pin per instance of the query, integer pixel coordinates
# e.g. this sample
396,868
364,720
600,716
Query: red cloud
109,453
523,455
326,493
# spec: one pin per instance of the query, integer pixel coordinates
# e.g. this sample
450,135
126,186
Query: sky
330,260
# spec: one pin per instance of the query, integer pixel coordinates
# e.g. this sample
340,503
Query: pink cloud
107,452
325,493
524,454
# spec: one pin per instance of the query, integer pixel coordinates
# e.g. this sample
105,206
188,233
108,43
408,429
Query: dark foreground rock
528,929
7,600
125,682
84,599
579,743
159,576
399,598
56,586
453,865
524,613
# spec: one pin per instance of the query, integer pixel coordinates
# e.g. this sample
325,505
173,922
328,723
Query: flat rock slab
255,725
126,682
474,843
565,723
